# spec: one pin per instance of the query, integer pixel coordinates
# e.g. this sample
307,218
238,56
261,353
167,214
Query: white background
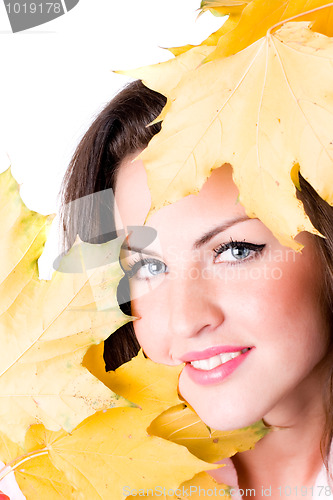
56,77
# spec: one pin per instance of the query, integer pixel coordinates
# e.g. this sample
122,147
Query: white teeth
219,359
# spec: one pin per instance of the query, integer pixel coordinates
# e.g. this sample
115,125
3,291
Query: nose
194,305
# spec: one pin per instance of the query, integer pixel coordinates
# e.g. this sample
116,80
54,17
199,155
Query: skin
191,299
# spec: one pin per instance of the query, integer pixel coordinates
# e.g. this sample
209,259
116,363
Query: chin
220,410
225,421
224,416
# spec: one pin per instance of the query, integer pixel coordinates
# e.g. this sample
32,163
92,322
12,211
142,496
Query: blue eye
237,251
146,268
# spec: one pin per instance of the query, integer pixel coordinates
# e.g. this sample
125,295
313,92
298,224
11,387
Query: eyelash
257,249
135,266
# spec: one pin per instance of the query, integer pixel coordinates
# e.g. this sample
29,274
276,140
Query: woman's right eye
143,269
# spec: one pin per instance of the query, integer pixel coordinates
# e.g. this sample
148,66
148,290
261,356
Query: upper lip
210,352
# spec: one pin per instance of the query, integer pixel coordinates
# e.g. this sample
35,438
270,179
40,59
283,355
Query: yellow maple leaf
36,476
150,385
223,8
236,33
201,485
232,9
182,425
46,328
249,21
106,456
259,16
165,76
263,110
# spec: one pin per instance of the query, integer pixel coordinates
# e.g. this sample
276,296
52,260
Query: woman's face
217,291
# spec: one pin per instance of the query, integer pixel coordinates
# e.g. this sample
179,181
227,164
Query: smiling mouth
219,359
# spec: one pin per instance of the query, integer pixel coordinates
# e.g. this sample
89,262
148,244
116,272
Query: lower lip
217,374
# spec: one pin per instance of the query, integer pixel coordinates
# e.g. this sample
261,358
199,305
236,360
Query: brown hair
321,215
119,131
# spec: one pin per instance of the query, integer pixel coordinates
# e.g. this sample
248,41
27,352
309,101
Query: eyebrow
205,238
139,250
135,249
219,229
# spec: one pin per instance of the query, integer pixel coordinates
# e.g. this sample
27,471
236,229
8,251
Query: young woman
250,318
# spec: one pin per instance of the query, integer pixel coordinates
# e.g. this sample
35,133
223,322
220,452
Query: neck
289,455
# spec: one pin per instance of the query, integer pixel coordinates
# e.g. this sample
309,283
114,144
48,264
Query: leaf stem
9,467
300,14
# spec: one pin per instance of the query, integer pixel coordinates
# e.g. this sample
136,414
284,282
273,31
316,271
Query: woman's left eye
237,251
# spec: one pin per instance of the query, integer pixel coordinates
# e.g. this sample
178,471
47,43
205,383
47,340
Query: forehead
217,200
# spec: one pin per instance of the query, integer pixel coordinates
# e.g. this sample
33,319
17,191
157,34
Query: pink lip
217,374
210,352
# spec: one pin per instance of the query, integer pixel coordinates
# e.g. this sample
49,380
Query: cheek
283,293
151,313
294,299
284,319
